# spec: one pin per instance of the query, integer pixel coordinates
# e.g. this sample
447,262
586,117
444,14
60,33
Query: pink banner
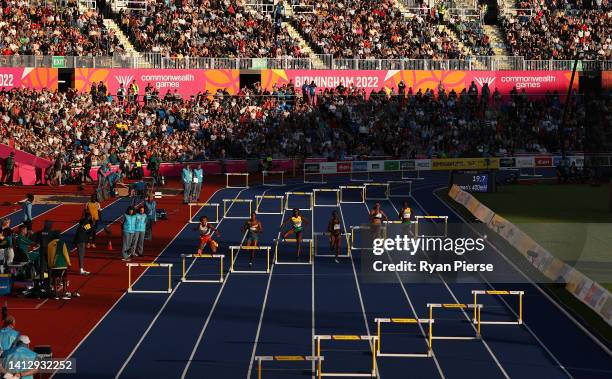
36,78
535,83
186,82
26,165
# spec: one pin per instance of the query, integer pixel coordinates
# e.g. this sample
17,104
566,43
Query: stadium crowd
28,28
374,29
207,28
81,130
560,29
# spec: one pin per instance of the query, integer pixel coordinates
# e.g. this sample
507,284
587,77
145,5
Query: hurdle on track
362,188
244,175
308,194
354,178
319,190
304,240
184,258
352,238
520,294
130,284
200,206
400,182
418,218
462,307
405,174
258,248
260,198
372,340
415,321
410,225
371,185
232,201
283,358
319,178
316,248
265,174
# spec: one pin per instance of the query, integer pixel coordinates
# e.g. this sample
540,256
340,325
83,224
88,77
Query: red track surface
64,323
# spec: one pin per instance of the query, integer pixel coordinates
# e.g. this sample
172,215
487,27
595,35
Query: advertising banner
407,165
343,167
327,167
535,83
543,161
374,166
422,164
392,165
187,82
360,166
465,163
524,162
311,167
25,77
507,162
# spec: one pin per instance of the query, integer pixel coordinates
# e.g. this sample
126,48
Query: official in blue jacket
129,230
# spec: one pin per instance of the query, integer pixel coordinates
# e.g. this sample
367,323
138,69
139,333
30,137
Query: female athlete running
253,227
335,233
298,222
206,234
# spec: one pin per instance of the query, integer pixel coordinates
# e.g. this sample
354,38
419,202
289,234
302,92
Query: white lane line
163,307
265,301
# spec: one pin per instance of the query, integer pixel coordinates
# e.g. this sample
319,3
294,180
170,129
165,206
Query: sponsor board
465,163
311,167
360,166
343,167
524,162
578,160
392,165
33,78
543,161
407,165
327,167
507,162
374,166
422,164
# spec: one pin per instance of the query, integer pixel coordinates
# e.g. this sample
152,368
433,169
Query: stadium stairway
317,63
125,41
497,40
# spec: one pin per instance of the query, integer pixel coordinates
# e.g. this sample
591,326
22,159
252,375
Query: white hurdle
265,174
245,175
232,201
319,190
260,198
308,194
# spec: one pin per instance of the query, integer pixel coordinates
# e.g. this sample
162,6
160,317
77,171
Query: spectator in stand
93,207
81,239
9,169
187,176
8,335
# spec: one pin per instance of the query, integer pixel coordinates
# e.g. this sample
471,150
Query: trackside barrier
414,321
184,258
148,265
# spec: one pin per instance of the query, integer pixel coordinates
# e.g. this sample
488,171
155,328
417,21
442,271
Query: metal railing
155,60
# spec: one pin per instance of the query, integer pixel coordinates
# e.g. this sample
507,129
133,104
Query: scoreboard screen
474,181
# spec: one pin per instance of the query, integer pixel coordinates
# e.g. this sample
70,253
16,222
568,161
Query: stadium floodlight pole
577,57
